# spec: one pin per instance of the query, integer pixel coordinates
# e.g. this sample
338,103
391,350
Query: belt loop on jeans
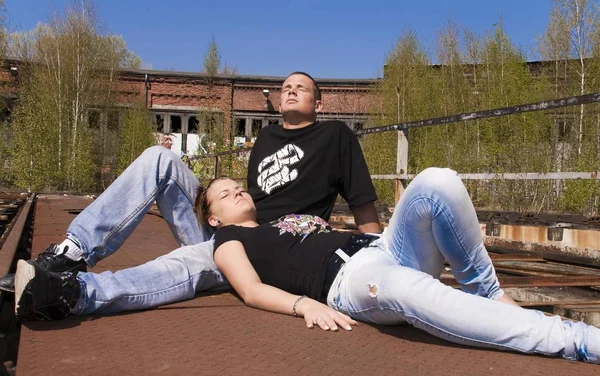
342,255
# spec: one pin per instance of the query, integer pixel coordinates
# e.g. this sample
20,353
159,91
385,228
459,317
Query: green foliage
212,126
81,164
404,96
69,72
477,73
5,151
33,160
137,134
579,196
213,140
212,58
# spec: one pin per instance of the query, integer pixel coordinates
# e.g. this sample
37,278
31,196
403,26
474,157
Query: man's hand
325,317
366,219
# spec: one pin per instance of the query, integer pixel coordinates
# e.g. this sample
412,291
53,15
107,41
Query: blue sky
333,39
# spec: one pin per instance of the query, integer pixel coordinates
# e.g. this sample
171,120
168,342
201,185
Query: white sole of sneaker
25,273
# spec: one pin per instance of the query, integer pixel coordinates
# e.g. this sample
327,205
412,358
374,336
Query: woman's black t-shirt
290,253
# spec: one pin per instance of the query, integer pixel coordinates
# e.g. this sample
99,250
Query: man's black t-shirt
302,170
290,253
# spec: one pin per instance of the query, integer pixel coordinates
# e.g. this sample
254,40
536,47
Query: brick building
182,102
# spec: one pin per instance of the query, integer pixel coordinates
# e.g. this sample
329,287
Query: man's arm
357,187
366,219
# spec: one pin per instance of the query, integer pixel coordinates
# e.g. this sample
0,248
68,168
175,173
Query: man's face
298,97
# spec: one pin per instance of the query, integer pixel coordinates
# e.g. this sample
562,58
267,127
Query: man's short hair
317,91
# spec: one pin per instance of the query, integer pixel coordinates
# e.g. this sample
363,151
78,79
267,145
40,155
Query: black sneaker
50,261
7,283
44,295
59,263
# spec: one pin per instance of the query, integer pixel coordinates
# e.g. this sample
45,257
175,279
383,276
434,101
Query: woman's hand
325,317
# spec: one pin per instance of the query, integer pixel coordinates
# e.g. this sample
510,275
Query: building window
211,121
5,115
193,124
256,127
274,122
94,119
564,128
112,120
240,127
159,121
175,124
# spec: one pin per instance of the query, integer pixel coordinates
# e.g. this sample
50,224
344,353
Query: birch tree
581,19
403,96
570,42
69,75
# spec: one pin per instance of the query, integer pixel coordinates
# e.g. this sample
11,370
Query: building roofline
257,79
248,78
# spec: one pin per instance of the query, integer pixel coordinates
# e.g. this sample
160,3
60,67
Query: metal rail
465,116
509,176
488,114
14,238
402,173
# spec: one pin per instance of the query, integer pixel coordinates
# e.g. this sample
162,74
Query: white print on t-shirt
274,172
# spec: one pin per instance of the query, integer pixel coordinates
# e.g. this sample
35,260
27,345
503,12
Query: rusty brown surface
217,334
9,247
11,206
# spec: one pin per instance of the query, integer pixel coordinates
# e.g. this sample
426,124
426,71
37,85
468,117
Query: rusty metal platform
217,334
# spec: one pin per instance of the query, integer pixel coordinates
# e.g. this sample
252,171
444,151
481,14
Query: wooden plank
547,267
515,257
521,272
566,303
538,281
549,281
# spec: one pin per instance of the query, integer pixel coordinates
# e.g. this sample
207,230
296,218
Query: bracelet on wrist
296,304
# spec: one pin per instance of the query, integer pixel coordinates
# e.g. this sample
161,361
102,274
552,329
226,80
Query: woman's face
229,203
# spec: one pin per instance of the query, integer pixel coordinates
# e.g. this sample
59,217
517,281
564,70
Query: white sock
70,249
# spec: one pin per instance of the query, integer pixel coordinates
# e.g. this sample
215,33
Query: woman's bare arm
232,261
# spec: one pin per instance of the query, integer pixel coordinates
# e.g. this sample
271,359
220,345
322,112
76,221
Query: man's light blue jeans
158,174
395,279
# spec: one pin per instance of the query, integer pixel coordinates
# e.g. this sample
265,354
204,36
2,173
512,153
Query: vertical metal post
401,162
216,166
184,142
401,154
185,123
167,123
146,87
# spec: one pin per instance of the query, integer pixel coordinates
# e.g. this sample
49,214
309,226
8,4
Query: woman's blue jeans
157,175
395,280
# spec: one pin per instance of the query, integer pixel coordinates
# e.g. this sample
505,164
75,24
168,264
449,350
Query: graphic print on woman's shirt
301,224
